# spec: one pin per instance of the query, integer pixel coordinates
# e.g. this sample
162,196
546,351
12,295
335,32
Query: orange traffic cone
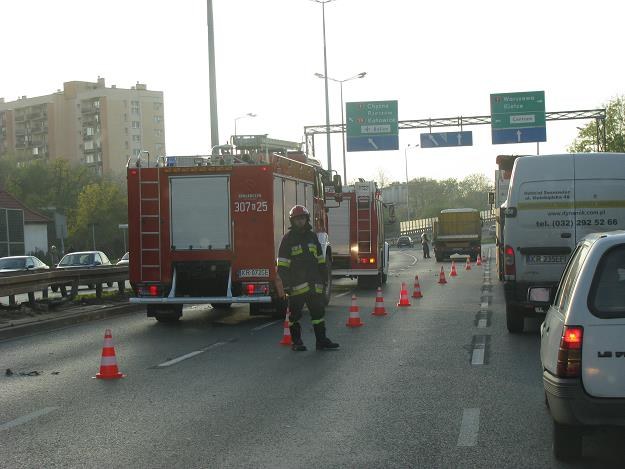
479,260
354,314
468,265
417,288
403,296
379,309
108,363
441,277
286,334
453,272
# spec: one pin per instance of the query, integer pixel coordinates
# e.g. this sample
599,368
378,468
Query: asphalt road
437,384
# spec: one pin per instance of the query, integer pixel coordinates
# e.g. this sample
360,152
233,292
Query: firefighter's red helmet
298,211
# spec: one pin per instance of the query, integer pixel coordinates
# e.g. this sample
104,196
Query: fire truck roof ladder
149,208
363,220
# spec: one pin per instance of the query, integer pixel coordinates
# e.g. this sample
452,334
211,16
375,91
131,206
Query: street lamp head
362,74
251,114
319,75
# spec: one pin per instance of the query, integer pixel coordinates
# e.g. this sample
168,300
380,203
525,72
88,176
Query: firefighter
302,268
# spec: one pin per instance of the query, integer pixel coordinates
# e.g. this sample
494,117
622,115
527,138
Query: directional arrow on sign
373,143
447,139
518,134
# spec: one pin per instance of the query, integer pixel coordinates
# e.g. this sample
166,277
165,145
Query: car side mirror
97,263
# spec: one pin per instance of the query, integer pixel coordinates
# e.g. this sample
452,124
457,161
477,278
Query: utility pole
211,76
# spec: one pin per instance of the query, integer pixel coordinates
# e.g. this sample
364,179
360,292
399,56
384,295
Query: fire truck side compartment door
200,212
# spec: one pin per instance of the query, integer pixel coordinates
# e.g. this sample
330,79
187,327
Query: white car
583,342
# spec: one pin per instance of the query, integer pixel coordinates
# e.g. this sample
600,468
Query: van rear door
599,193
603,349
543,228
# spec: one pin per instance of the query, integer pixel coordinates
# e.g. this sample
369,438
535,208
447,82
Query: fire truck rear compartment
202,278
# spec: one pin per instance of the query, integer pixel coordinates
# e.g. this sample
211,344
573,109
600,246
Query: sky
436,58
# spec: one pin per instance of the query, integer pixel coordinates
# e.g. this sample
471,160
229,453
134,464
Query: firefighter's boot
323,343
296,337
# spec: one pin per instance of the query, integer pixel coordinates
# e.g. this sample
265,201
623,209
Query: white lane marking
478,356
27,418
482,323
266,325
469,428
343,294
189,355
414,259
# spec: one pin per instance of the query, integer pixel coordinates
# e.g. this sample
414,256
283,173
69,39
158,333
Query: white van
553,202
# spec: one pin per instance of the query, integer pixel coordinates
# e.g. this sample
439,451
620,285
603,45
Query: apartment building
85,123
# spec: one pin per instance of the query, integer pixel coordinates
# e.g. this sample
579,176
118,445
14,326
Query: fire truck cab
206,229
357,231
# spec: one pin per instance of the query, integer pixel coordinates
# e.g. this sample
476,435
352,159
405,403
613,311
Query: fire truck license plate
253,273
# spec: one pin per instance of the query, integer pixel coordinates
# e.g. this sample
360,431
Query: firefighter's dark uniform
302,268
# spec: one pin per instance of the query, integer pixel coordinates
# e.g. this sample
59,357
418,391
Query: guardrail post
121,286
12,301
98,290
74,293
44,293
63,290
31,298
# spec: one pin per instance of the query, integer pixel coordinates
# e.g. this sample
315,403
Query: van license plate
545,259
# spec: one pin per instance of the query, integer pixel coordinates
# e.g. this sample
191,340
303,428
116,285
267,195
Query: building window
136,138
158,132
158,119
89,132
125,117
136,125
126,144
134,105
158,106
136,152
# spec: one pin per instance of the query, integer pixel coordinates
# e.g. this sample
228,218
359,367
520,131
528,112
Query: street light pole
249,114
343,129
406,160
325,72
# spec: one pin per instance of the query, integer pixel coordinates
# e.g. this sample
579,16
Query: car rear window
607,293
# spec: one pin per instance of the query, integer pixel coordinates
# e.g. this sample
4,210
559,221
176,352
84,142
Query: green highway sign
372,125
518,117
513,110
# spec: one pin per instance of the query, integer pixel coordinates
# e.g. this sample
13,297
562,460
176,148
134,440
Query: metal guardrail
414,227
17,283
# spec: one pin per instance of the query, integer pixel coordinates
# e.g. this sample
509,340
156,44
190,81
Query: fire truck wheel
221,305
166,314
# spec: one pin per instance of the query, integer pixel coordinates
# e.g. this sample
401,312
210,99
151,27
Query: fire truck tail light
251,289
149,290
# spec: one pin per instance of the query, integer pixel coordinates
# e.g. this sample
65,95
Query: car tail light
570,352
367,260
510,268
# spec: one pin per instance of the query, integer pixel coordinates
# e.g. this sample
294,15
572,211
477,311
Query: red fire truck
357,232
206,229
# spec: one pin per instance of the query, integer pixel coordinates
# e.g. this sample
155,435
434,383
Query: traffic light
491,198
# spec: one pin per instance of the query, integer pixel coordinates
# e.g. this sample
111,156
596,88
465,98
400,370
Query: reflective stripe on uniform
296,250
317,321
318,288
312,248
284,262
321,260
300,289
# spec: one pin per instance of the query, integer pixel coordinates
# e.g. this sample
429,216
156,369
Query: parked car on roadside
83,260
125,260
582,343
404,241
22,264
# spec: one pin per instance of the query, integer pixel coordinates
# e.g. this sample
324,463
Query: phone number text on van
581,222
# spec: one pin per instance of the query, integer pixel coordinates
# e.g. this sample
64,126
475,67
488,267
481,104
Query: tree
105,205
614,123
382,179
